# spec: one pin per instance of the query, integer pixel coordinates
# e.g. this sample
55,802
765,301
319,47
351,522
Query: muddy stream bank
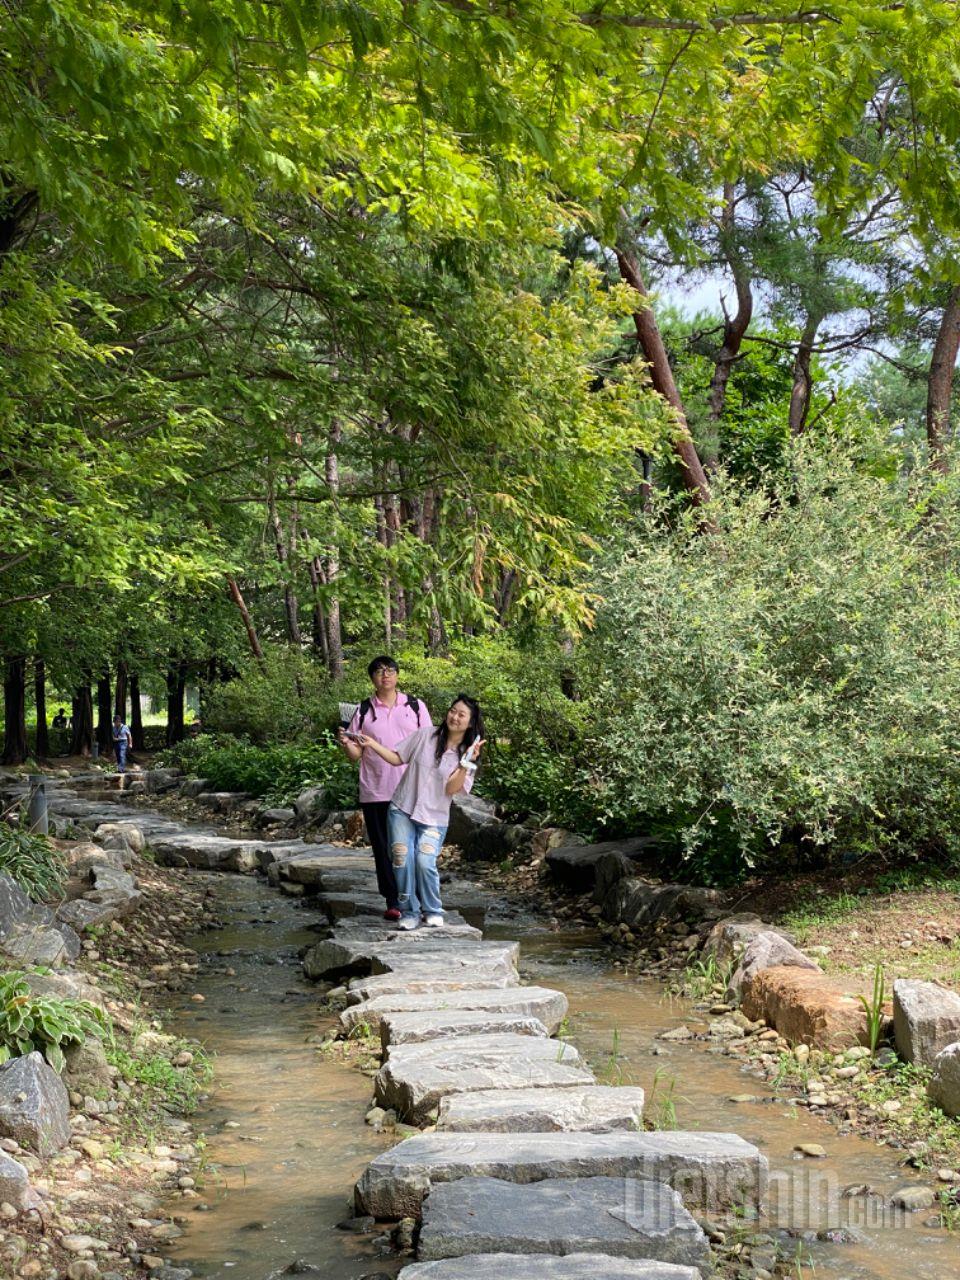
285,1132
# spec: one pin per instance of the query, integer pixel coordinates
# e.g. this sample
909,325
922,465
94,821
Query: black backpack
366,706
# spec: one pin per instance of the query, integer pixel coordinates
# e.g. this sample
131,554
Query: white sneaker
435,922
408,923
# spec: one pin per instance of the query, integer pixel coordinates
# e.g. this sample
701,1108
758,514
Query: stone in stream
416,1028
573,1266
429,979
34,1107
364,900
416,1076
625,1217
381,948
592,1109
208,852
709,1170
313,863
549,1007
926,1018
767,950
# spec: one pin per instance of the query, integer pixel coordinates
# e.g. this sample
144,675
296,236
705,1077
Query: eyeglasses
384,671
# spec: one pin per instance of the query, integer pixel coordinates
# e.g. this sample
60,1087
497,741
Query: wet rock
548,1006
621,1216
767,950
34,1106
415,1077
709,1169
359,1226
592,1109
926,1018
812,1150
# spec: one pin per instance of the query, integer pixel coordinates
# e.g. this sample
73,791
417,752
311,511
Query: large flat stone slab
312,864
208,852
926,1018
575,866
709,1170
417,1028
430,980
382,948
594,1109
416,1076
574,1266
549,1007
625,1217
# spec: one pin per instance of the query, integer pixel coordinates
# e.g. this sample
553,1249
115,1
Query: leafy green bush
277,773
38,868
47,1024
789,685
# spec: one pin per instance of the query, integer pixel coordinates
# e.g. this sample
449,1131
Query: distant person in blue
122,741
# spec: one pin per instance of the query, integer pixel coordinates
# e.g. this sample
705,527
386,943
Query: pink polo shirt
389,725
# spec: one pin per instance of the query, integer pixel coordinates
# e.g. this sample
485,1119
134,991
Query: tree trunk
15,749
239,601
120,694
136,715
802,388
42,749
104,714
176,689
81,740
734,328
290,607
332,572
661,376
940,381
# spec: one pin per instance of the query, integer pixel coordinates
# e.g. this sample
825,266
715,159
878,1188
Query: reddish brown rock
808,1007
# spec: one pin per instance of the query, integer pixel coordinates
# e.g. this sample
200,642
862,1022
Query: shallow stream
286,1139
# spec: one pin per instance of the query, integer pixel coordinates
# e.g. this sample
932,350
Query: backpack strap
366,706
414,705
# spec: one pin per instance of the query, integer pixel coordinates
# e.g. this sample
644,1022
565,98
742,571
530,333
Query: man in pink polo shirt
389,716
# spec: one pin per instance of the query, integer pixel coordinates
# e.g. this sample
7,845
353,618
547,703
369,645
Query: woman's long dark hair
473,732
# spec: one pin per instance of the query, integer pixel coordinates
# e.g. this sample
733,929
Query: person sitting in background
60,719
387,717
440,763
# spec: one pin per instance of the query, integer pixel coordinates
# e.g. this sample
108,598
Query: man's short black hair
383,661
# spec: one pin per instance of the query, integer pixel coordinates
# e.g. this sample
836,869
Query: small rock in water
912,1198
299,1267
811,1149
743,1097
678,1033
947,1175
359,1226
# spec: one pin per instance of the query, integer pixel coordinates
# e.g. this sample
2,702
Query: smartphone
354,737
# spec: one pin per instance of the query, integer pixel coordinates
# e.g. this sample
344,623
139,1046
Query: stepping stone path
535,1172
621,1216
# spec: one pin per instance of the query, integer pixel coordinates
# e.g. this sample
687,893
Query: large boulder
638,903
944,1086
574,867
926,1018
124,837
311,805
806,1007
31,934
767,950
156,781
731,935
34,1107
468,814
193,787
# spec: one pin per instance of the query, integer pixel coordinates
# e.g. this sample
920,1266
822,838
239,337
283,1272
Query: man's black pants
375,816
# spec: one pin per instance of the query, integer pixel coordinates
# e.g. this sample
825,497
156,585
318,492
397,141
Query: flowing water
287,1139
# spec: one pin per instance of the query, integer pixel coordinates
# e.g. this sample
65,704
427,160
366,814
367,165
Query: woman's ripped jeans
414,847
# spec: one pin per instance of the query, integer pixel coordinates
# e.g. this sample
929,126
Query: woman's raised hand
473,751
